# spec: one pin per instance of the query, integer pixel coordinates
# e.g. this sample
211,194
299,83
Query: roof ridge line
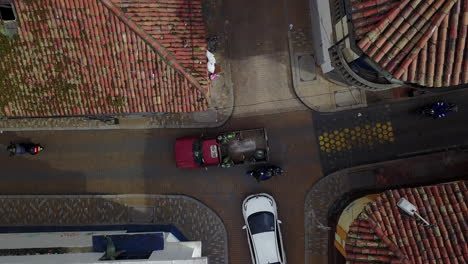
162,51
391,244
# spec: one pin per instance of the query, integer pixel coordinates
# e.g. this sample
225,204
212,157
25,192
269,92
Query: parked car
263,229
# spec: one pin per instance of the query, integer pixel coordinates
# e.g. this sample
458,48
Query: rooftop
419,42
384,234
104,57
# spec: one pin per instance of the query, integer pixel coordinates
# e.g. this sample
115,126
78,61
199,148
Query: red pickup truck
225,150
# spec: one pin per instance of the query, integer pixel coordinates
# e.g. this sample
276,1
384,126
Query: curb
298,93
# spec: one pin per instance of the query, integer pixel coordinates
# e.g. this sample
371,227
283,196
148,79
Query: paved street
141,161
259,56
307,144
389,131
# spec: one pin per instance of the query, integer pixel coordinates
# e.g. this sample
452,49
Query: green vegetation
33,72
7,84
117,101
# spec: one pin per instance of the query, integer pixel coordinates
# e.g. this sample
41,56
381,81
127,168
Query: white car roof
259,203
265,247
264,244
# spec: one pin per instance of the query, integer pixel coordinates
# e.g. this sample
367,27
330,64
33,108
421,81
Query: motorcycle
24,148
265,172
439,109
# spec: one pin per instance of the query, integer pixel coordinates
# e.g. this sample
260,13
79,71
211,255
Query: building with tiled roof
73,57
373,229
377,44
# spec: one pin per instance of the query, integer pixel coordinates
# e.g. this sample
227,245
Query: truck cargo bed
243,147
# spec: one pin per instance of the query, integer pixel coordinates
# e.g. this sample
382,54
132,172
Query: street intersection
142,161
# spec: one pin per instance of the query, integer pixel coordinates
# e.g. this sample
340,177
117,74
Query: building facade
378,45
152,244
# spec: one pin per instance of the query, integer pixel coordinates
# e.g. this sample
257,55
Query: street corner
317,92
334,202
315,89
360,201
192,218
317,204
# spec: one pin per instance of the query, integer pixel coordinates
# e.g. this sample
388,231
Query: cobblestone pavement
192,218
329,196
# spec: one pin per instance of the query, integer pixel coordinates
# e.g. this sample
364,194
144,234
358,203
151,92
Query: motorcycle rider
34,149
265,172
440,109
22,148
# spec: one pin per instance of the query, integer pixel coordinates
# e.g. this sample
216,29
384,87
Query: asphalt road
142,161
413,134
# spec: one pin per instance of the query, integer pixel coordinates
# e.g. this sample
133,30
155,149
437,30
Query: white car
263,229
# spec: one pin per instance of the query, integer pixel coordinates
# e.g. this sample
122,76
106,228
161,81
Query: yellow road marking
347,138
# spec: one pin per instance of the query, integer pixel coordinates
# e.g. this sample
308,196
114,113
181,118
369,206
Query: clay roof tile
394,237
103,57
397,40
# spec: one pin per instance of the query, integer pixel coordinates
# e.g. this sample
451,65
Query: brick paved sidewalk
195,220
310,85
329,196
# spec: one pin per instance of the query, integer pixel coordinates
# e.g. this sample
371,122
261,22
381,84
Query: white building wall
322,30
174,252
88,258
52,239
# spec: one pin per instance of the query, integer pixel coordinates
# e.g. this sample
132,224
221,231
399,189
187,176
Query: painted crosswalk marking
358,136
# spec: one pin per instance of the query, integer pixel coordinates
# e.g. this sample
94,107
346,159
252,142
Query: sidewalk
259,56
329,196
195,220
220,106
312,88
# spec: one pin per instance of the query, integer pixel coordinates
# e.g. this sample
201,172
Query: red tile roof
383,234
420,42
81,57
